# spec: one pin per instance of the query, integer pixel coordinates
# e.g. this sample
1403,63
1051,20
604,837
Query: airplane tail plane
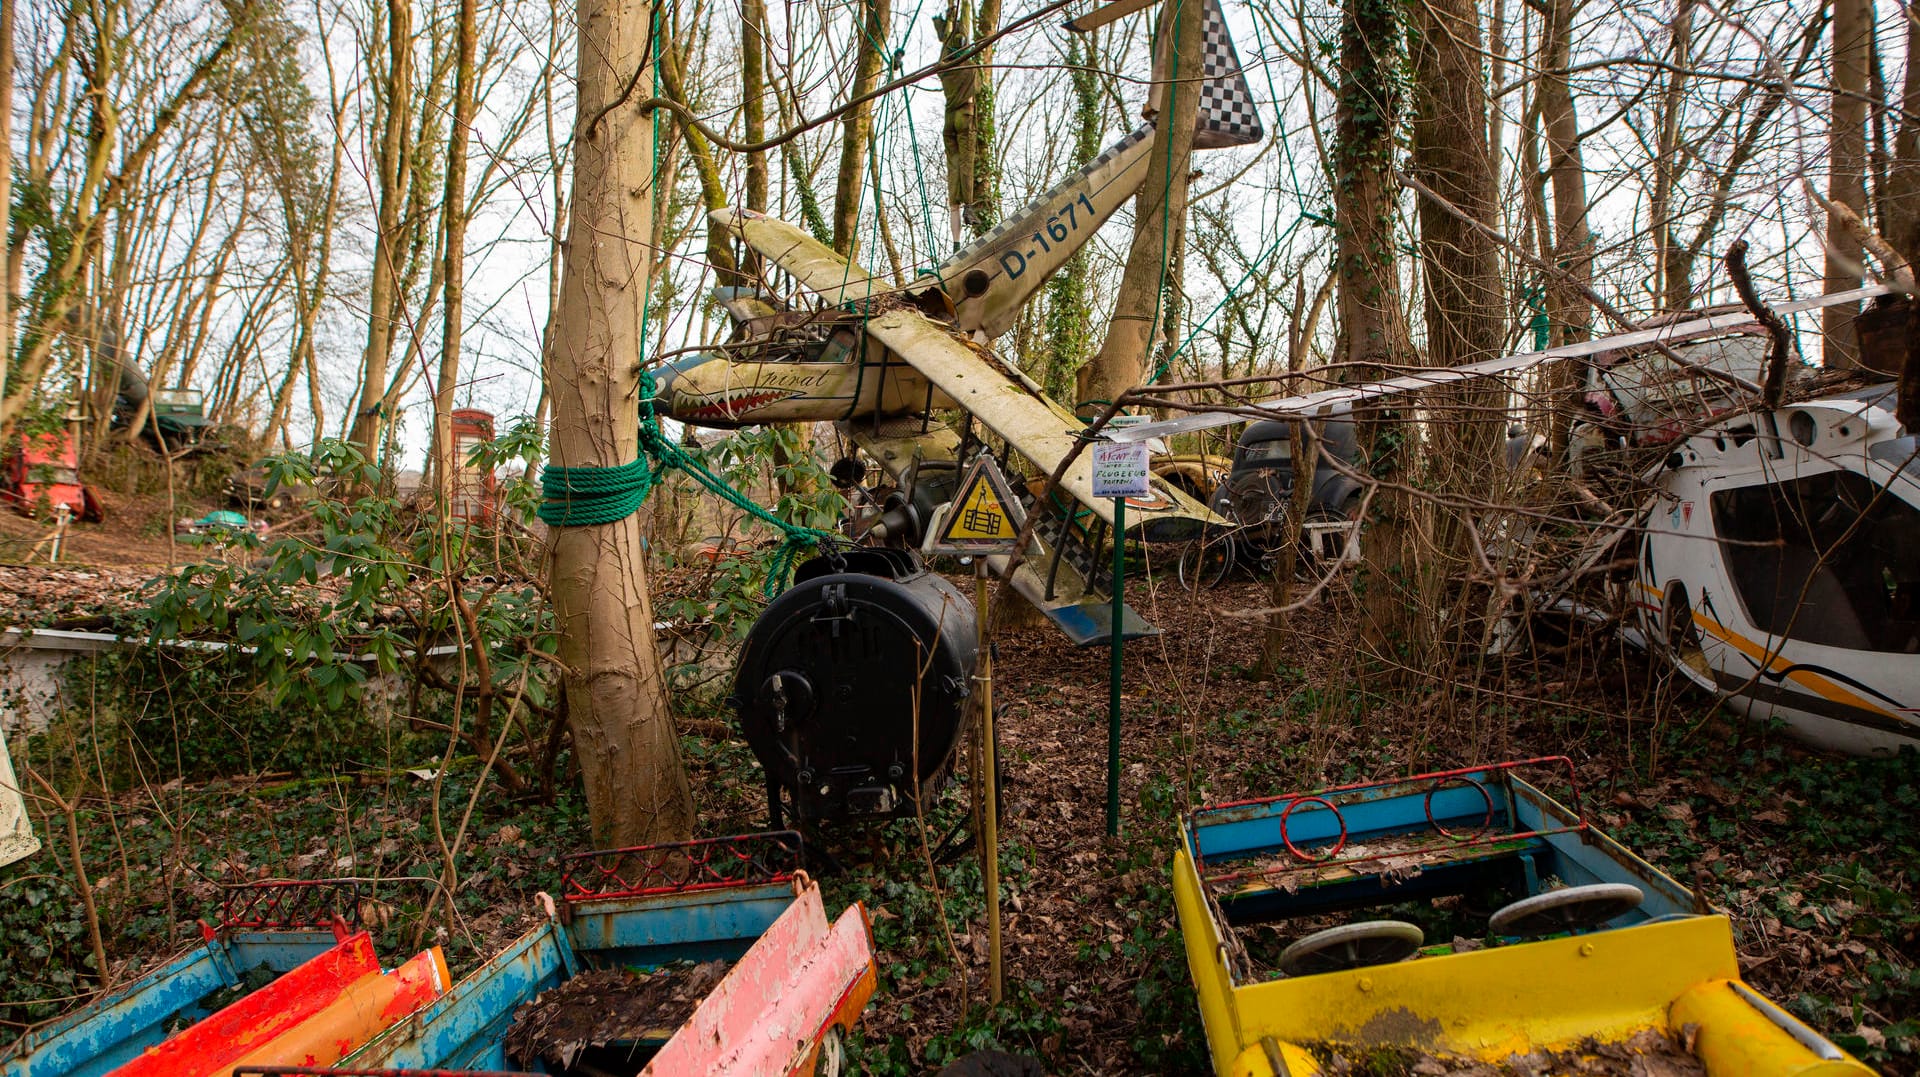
991,279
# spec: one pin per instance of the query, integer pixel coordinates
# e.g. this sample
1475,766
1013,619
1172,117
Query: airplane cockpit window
837,348
809,342
1829,559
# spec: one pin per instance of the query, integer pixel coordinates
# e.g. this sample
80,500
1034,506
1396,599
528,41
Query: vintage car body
1780,569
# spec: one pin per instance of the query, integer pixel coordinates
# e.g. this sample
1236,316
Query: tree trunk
384,286
986,167
1846,174
753,96
1069,336
1373,332
1465,301
960,85
857,126
6,182
1903,172
713,194
1569,311
1159,215
623,735
453,214
1668,161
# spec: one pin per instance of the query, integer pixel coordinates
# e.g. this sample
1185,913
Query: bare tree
636,782
857,125
114,160
6,180
453,218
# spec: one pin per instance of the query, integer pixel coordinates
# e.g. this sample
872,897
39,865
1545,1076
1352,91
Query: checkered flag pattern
1228,116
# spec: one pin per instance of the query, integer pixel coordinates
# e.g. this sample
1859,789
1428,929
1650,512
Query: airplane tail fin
1228,115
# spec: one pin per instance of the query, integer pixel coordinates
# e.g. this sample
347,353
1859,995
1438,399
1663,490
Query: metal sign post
1115,642
985,518
1119,472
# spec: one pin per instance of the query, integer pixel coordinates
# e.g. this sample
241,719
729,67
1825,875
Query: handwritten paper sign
1120,470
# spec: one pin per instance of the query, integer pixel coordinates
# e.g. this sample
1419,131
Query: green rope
586,496
591,496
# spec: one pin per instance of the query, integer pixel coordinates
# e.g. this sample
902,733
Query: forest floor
133,537
1814,856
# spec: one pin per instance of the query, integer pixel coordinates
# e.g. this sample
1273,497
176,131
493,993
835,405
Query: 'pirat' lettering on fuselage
793,379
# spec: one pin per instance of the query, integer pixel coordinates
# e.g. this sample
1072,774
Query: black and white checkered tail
1228,116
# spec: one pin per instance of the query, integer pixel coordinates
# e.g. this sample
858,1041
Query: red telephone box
476,491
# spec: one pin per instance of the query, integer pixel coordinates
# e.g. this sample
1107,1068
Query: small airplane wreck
830,342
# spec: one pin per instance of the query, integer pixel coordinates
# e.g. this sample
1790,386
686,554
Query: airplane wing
1038,428
1324,400
997,395
815,266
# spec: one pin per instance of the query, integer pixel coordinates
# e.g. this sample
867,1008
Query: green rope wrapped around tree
591,496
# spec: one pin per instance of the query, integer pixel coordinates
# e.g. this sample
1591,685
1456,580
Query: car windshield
1262,451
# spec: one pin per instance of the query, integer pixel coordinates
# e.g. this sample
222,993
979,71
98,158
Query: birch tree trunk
623,735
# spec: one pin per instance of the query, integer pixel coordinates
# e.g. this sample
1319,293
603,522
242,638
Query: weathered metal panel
465,1027
16,830
1040,429
114,1029
815,265
1657,968
768,1015
644,932
225,1037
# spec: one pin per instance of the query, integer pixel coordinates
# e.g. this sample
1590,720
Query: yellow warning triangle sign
984,516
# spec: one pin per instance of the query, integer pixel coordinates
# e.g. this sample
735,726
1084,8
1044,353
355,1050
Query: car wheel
1205,561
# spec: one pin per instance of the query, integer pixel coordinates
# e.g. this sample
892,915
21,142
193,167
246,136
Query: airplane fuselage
841,380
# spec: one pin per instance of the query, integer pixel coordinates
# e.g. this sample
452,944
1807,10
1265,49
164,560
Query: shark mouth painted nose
733,403
666,376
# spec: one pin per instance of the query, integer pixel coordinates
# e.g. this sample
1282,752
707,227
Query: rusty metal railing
1311,856
680,867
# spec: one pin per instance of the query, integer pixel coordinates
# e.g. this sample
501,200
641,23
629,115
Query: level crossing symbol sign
985,517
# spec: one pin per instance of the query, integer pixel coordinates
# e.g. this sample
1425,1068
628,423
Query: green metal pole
1113,688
